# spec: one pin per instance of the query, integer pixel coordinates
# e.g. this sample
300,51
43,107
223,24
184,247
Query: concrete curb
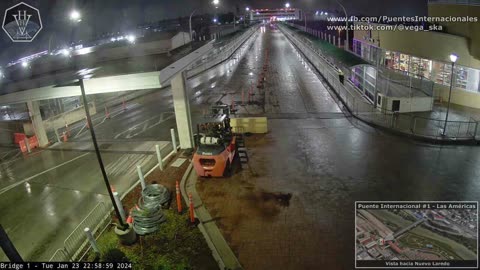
221,251
399,133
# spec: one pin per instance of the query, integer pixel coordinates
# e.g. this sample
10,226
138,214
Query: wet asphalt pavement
293,206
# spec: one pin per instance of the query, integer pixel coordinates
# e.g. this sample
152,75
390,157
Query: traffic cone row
263,75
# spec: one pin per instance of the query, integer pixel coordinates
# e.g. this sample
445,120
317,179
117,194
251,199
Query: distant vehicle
429,246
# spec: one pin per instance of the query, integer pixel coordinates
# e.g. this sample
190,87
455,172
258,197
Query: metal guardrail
361,108
60,256
75,245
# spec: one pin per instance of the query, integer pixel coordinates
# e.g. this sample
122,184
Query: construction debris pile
148,214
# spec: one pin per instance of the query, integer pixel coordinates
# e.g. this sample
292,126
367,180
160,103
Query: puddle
282,199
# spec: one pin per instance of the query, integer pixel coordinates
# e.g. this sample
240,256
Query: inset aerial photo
416,235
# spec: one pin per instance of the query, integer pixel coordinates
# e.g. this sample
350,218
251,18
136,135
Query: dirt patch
265,204
282,199
176,245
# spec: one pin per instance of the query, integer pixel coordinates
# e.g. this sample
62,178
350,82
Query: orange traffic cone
130,218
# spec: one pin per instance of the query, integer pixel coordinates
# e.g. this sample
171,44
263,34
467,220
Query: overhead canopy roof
129,82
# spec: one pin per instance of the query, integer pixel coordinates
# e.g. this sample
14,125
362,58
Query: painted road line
5,189
129,131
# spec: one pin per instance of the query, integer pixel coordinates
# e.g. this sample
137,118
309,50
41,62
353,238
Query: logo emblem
22,22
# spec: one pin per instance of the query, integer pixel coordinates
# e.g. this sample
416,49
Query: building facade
425,54
279,14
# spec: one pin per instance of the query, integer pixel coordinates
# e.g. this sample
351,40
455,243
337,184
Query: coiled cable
148,214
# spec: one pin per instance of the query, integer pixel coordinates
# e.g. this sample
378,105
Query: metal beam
169,72
129,82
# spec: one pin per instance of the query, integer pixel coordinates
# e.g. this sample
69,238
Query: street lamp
305,17
346,23
131,38
85,75
66,52
215,3
453,59
287,5
24,64
75,16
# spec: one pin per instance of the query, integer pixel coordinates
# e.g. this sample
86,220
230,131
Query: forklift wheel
228,170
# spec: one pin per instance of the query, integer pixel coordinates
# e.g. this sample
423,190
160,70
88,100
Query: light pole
215,3
453,59
75,17
122,225
247,9
50,42
346,24
190,24
287,5
305,16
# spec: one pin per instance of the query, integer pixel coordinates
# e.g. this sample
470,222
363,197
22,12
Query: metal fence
359,106
409,83
75,246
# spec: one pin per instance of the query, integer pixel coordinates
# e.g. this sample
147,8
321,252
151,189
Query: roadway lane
51,191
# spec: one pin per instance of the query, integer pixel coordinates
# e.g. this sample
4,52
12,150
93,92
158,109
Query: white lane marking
80,130
113,115
5,189
145,124
129,136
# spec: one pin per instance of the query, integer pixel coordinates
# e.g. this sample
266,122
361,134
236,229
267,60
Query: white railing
75,245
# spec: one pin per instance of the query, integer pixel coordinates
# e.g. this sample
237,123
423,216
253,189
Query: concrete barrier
250,124
69,117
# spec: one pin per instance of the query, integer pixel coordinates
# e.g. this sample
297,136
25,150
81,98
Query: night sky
120,15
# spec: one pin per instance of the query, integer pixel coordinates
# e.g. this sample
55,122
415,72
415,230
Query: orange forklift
216,145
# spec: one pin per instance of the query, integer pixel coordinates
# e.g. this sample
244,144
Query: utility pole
123,226
8,247
453,59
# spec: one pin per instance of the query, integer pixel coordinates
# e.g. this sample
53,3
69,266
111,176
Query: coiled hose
156,194
148,215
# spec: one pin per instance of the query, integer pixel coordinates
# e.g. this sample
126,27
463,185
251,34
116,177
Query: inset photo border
416,234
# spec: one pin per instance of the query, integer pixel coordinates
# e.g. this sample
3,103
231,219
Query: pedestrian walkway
462,124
